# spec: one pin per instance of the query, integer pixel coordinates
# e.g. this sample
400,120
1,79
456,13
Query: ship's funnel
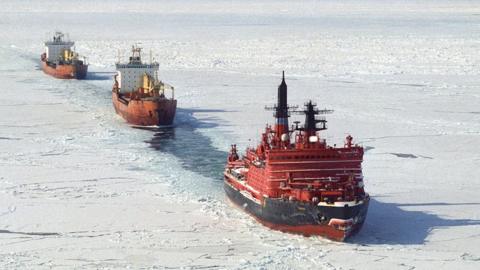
281,109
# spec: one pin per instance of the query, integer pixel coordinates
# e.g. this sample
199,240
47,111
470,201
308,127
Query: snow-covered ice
81,189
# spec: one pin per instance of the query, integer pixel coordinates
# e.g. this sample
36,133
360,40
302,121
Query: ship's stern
80,70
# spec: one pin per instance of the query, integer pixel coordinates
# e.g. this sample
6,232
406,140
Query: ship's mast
281,114
281,109
312,119
136,57
58,37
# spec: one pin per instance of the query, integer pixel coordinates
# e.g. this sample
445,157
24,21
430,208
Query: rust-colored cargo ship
60,61
139,97
294,182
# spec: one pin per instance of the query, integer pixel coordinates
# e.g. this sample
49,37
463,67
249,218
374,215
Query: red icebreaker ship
294,182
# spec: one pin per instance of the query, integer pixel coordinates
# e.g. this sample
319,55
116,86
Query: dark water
100,76
194,150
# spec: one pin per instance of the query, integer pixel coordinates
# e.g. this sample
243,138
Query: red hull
145,111
310,230
67,71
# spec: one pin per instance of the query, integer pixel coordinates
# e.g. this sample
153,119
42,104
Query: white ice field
80,189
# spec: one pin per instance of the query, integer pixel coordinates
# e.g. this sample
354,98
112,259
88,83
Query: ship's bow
331,221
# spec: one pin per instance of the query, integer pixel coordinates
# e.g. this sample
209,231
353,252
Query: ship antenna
151,56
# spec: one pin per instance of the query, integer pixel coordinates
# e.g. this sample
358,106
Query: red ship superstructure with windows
294,182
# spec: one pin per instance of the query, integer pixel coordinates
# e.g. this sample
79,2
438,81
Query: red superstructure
294,182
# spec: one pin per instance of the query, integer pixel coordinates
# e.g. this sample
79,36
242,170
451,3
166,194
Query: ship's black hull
333,222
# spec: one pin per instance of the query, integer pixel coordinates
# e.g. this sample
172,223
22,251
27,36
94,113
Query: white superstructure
130,75
54,49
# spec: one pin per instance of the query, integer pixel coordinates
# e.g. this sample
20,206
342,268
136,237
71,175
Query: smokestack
282,107
281,112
